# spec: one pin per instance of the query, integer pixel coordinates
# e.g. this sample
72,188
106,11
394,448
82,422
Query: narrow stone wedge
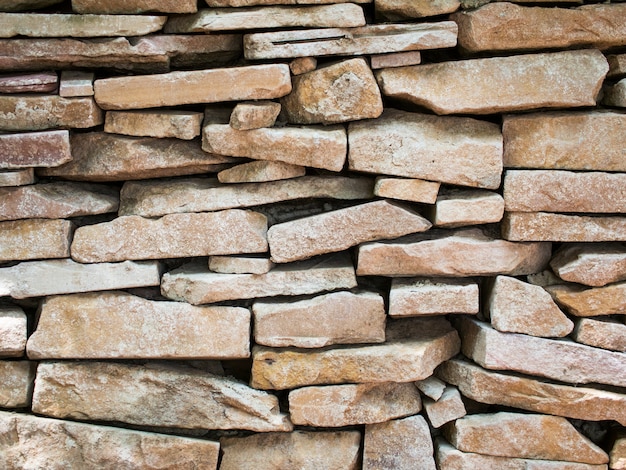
421,296
46,82
36,113
407,189
448,408
35,149
35,239
240,264
605,333
118,7
17,177
607,300
16,384
254,115
590,264
260,171
175,124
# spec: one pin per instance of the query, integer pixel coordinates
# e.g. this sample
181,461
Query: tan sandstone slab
153,395
395,59
12,331
175,124
304,450
601,333
341,229
401,10
260,171
117,7
562,360
19,5
618,454
17,177
35,239
240,264
455,150
407,189
500,84
16,383
593,302
448,408
533,394
462,253
76,83
422,296
172,236
35,442
615,95
335,318
413,349
590,264
34,149
35,113
341,92
254,115
29,82
457,208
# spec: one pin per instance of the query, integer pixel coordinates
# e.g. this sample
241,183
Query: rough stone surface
615,95
617,65
336,318
35,239
260,171
455,150
29,82
607,300
20,5
153,395
35,149
605,334
254,115
17,177
399,10
302,65
422,296
12,331
405,189
448,408
176,124
467,207
118,7
247,3
500,84
16,383
432,387
76,83
395,59
618,454
240,264
590,264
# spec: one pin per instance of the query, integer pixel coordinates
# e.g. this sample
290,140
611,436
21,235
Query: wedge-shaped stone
607,300
20,5
432,387
455,150
155,198
604,333
407,189
98,156
302,65
617,65
35,239
533,394
172,236
176,124
412,297
336,318
194,284
298,449
564,191
467,207
399,10
191,87
254,115
561,360
413,349
615,95
260,171
35,442
12,331
35,149
518,307
35,113
29,83
117,7
395,59
16,383
240,264
590,264
371,39
346,405
560,79
338,230
17,177
448,408
76,83
462,253
341,92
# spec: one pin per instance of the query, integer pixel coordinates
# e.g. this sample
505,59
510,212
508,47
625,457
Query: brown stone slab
12,331
35,113
302,65
597,301
260,171
401,10
407,189
615,95
250,3
254,115
34,149
117,7
458,208
395,59
76,83
590,264
162,124
16,383
422,296
17,177
35,239
601,333
29,83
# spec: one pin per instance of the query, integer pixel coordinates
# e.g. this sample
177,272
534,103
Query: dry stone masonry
313,234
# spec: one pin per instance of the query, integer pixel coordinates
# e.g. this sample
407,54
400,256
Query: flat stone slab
175,124
76,83
35,239
154,395
407,189
448,408
590,264
260,171
17,177
597,301
35,149
13,332
456,150
46,82
16,383
240,264
560,80
118,7
395,59
605,334
254,115
458,208
421,296
401,10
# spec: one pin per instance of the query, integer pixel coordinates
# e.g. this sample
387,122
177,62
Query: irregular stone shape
590,264
608,300
500,84
518,307
153,395
29,83
176,124
561,360
137,328
78,26
16,384
533,394
413,349
57,200
34,442
172,236
35,239
341,92
64,276
260,171
239,265
455,150
298,449
17,177
371,39
545,226
338,230
395,59
302,65
401,444
194,284
117,7
254,115
581,140
12,331
19,5
432,387
529,436
617,65
467,207
448,408
191,87
615,95
605,334
98,156
564,191
618,454
336,318
422,296
414,190
76,83
35,149
346,405
344,15
35,113
462,253
155,198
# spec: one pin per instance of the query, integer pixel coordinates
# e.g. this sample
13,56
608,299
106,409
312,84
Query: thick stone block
35,149
422,296
16,383
12,331
590,264
35,239
175,124
458,208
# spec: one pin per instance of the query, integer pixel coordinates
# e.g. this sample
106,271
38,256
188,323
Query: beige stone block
35,149
46,82
12,331
581,302
16,383
617,65
302,65
254,115
615,95
432,387
76,83
395,59
401,10
117,7
601,333
341,92
260,171
422,296
240,264
154,395
35,239
401,444
35,442
618,454
407,189
462,253
413,349
448,408
500,84
166,123
335,318
17,177
456,150
457,208
249,3
304,450
590,264
19,5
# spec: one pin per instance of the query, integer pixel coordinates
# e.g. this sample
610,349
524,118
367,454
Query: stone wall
314,235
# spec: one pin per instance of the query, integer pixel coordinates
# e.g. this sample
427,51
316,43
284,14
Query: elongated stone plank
407,189
240,264
158,395
155,198
172,236
12,331
560,80
16,383
35,113
250,3
590,264
421,296
448,408
260,171
461,151
336,318
175,124
35,239
17,177
29,83
607,300
413,349
605,333
457,208
401,10
561,360
462,253
193,283
35,442
118,7
254,115
341,229
76,83
35,149
395,59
